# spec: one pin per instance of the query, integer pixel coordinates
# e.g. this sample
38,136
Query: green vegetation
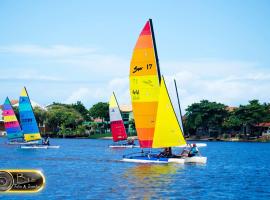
211,119
202,120
100,110
73,120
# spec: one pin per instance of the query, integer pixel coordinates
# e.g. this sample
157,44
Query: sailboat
29,124
155,118
194,159
12,126
117,126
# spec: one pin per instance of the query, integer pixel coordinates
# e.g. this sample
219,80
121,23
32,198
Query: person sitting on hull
166,153
184,153
193,151
130,141
46,141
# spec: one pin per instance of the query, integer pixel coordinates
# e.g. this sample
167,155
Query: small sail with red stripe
117,125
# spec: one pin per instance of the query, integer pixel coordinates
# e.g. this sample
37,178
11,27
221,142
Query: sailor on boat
193,151
130,141
185,152
167,153
46,141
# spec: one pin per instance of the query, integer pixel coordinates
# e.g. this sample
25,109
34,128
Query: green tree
100,110
40,115
63,116
252,114
205,116
82,110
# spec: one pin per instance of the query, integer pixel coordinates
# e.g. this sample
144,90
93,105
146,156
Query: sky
67,51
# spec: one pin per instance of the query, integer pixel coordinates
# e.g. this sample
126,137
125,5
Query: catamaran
187,147
12,126
155,118
117,126
29,124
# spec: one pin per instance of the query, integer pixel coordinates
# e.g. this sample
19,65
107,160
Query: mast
155,49
178,101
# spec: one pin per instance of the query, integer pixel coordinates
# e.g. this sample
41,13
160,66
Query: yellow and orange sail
144,85
154,116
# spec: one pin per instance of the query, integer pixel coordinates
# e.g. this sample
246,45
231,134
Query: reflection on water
150,180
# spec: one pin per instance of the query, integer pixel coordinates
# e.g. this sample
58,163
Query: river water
88,169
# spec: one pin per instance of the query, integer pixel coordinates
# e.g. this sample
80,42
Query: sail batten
117,125
11,123
27,118
144,85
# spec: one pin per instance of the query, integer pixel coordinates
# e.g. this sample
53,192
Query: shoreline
261,140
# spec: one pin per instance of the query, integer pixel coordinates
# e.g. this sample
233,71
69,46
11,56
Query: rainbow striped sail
27,118
117,125
144,85
12,126
155,119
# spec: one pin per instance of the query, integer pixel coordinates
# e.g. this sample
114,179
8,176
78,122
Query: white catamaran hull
144,160
153,159
39,147
124,146
22,143
176,160
196,159
197,144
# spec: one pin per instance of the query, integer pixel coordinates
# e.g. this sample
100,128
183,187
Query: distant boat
117,126
29,123
155,118
14,132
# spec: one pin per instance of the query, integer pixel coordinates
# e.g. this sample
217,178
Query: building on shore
128,118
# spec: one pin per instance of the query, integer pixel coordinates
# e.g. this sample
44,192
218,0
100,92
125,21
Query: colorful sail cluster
117,125
27,118
144,85
155,119
12,126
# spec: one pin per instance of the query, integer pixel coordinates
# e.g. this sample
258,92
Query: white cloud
99,74
231,83
101,92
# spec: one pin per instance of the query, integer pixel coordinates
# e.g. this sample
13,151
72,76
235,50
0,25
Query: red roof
13,101
263,124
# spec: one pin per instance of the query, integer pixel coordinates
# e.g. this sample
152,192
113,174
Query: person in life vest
167,153
193,151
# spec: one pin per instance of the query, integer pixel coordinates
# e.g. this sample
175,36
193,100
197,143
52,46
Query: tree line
68,120
203,119
216,120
